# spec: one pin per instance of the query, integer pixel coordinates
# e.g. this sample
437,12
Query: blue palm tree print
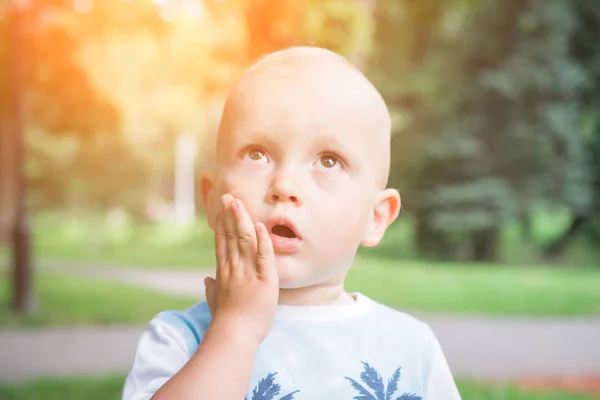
371,378
267,389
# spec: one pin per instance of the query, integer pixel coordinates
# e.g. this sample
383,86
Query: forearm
220,369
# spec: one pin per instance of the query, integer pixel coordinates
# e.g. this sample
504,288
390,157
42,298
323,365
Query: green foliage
180,63
488,92
340,25
585,49
494,104
59,97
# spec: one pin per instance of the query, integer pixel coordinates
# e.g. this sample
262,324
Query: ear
207,185
385,212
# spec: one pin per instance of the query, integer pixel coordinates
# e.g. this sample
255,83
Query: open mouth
283,231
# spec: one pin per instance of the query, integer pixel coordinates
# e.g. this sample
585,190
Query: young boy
302,163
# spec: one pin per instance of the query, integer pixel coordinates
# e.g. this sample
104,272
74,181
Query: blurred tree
168,87
62,101
183,75
182,57
339,25
584,45
489,100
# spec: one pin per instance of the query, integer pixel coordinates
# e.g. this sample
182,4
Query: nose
284,189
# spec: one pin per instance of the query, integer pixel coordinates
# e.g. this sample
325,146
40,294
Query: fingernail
224,200
234,206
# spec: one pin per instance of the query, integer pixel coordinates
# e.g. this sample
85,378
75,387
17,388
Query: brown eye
329,162
256,155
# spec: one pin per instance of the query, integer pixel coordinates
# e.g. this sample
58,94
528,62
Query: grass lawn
478,289
110,388
473,391
77,301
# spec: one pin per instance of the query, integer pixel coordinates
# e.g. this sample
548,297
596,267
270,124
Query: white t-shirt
363,350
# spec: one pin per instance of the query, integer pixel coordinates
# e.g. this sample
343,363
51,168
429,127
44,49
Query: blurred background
107,114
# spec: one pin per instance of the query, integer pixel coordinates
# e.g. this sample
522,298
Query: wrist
235,331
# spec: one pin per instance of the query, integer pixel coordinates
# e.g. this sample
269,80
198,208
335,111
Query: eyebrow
337,145
255,137
251,137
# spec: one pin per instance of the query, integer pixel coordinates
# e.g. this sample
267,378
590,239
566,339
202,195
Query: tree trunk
22,297
485,248
7,181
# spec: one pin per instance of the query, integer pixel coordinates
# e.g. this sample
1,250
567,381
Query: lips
284,235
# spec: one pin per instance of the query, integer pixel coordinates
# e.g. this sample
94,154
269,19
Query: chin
291,273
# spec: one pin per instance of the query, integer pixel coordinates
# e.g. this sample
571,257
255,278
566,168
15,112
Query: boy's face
308,155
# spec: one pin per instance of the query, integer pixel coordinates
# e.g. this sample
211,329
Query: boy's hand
243,298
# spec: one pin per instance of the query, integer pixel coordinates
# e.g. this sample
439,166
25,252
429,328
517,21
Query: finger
265,255
246,234
209,283
231,233
220,241
221,237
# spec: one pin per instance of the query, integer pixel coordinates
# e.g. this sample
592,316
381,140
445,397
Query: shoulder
189,324
394,319
403,327
165,346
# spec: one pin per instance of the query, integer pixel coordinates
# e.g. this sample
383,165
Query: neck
315,295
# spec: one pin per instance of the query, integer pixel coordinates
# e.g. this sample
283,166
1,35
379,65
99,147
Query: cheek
329,180
245,183
339,188
343,207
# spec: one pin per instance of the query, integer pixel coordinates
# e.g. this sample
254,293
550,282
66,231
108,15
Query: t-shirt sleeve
440,385
161,352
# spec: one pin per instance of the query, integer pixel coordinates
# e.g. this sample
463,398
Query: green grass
73,389
77,301
469,390
110,388
478,289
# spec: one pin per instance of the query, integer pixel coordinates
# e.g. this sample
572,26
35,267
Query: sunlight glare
83,6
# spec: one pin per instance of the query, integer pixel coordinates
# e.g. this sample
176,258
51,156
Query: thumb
209,283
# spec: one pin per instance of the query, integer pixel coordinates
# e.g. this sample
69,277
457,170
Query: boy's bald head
314,76
305,135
